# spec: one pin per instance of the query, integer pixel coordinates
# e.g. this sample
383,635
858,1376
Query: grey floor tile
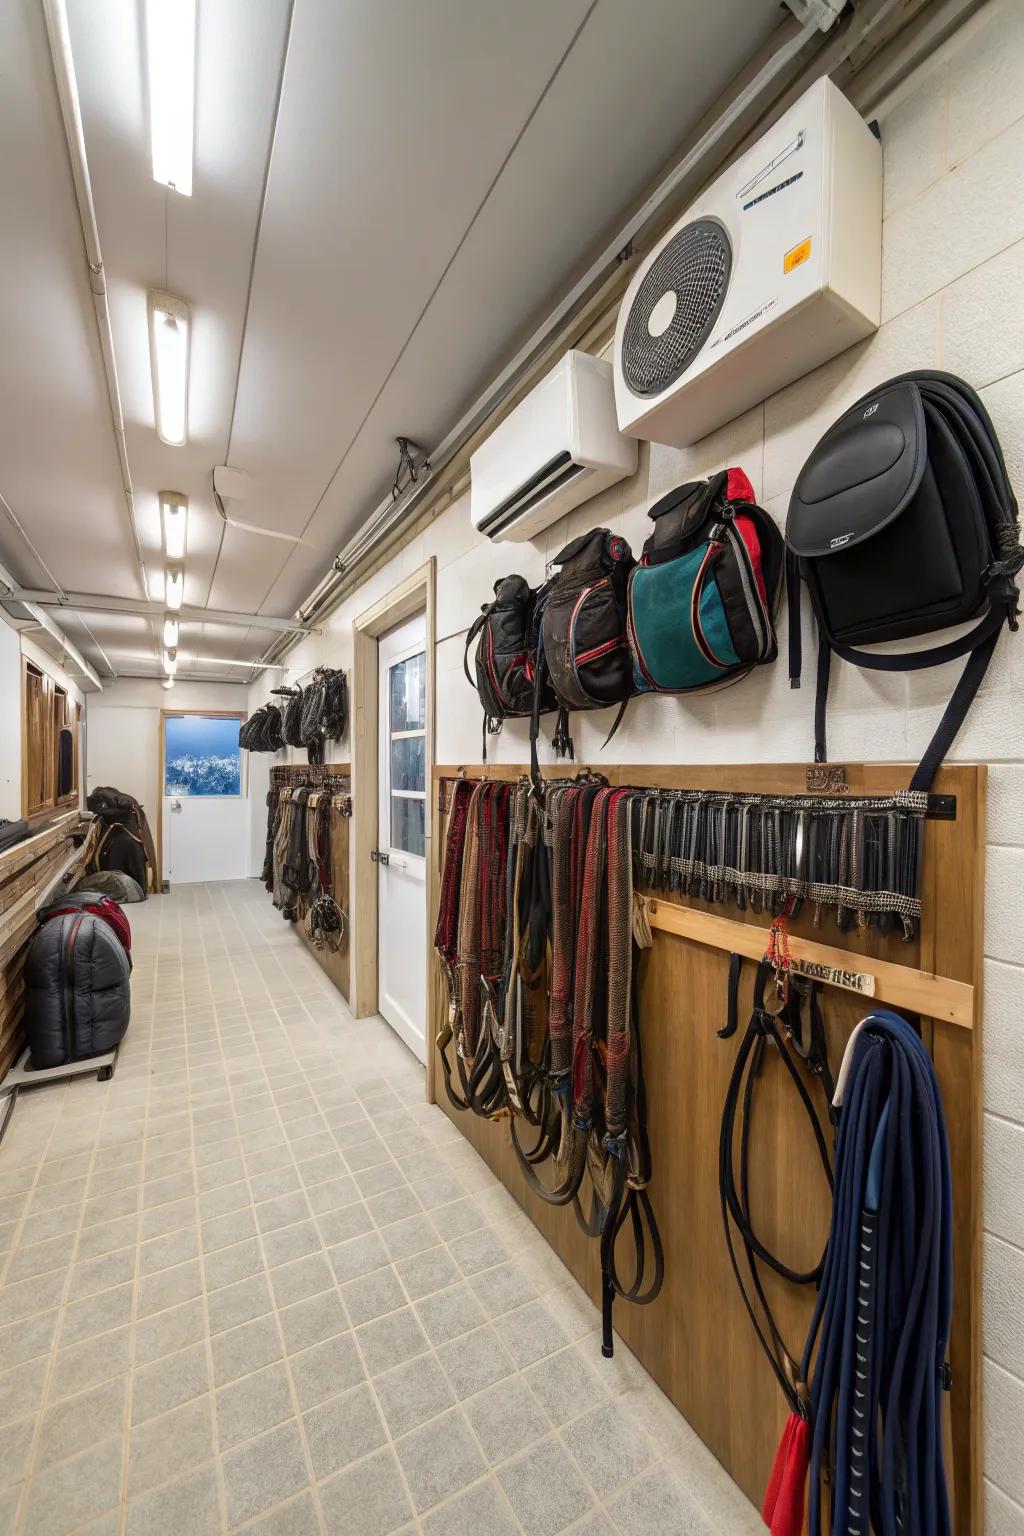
439,1458
609,1447
15,1448
413,1393
531,1332
478,1250
190,1503
239,1303
318,1373
172,1248
263,1472
162,1220
506,1418
231,1264
562,1382
657,1505
85,1365
31,1296
342,1430
474,1361
287,1244
367,1499
71,1492
169,1288
273,1184
450,1313
296,1518
405,1238
252,1405
423,1273
94,1315
223,1199
166,1383
28,1339
102,1273
332,1195
225,1231
283,1211
70,1427
373,1295
393,1205
165,1447
482,1508
308,1322
301,1279
244,1350
341,1226
169,1331
21,1388
545,1489
391,1340
503,1288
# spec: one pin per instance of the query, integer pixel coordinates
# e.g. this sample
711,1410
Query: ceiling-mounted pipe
93,602
55,12
42,618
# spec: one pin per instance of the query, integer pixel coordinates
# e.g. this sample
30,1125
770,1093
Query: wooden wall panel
696,1340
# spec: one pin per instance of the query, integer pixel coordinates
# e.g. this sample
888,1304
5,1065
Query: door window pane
407,762
408,694
408,827
202,756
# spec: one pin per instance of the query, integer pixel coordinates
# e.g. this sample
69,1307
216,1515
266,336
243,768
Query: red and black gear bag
100,906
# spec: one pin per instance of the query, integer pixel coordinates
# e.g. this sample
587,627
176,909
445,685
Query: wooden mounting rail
937,997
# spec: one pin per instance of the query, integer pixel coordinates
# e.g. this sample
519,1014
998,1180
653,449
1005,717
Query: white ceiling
437,172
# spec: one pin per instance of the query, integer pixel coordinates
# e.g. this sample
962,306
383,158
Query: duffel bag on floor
99,905
77,990
702,601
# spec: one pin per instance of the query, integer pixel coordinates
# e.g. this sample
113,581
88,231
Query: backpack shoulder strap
471,634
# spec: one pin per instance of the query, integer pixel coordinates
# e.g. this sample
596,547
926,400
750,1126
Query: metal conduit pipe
55,13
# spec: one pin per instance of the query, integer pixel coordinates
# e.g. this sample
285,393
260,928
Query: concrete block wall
953,298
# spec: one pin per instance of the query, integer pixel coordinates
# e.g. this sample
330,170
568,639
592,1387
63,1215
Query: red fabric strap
737,486
783,1508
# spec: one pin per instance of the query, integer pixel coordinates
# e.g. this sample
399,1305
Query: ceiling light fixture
170,632
174,587
170,661
170,324
171,57
174,517
167,682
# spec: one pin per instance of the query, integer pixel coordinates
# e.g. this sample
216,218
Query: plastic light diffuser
171,57
174,588
174,516
170,633
170,324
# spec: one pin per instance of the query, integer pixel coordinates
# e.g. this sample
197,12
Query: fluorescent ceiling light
171,54
170,323
170,663
174,516
170,633
174,587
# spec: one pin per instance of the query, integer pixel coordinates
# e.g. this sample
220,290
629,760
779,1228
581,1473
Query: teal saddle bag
702,600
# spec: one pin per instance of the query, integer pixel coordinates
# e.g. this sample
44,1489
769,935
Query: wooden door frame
165,714
416,594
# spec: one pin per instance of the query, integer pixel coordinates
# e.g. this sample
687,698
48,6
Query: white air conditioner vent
774,270
560,446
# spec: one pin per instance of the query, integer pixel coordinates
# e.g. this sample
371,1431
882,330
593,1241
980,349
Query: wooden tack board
335,962
696,1340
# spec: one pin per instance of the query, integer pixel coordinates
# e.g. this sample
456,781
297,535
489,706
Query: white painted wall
953,297
124,750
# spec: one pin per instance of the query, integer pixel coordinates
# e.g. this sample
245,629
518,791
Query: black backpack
903,522
506,655
583,653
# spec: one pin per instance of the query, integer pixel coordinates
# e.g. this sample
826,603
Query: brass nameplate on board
835,976
826,779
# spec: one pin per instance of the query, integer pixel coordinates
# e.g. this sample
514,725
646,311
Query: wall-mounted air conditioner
560,446
774,270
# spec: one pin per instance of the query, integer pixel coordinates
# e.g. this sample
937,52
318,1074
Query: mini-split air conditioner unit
774,270
560,446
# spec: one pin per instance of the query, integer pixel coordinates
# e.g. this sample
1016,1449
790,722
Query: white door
401,834
206,809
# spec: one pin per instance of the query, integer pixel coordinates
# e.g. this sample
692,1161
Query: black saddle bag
903,522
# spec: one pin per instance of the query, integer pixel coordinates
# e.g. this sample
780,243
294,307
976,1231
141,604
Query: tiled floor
255,1281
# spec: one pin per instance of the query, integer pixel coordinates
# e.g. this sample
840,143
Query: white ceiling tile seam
517,140
252,271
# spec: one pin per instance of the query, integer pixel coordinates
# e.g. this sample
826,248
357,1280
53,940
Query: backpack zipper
68,986
601,650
